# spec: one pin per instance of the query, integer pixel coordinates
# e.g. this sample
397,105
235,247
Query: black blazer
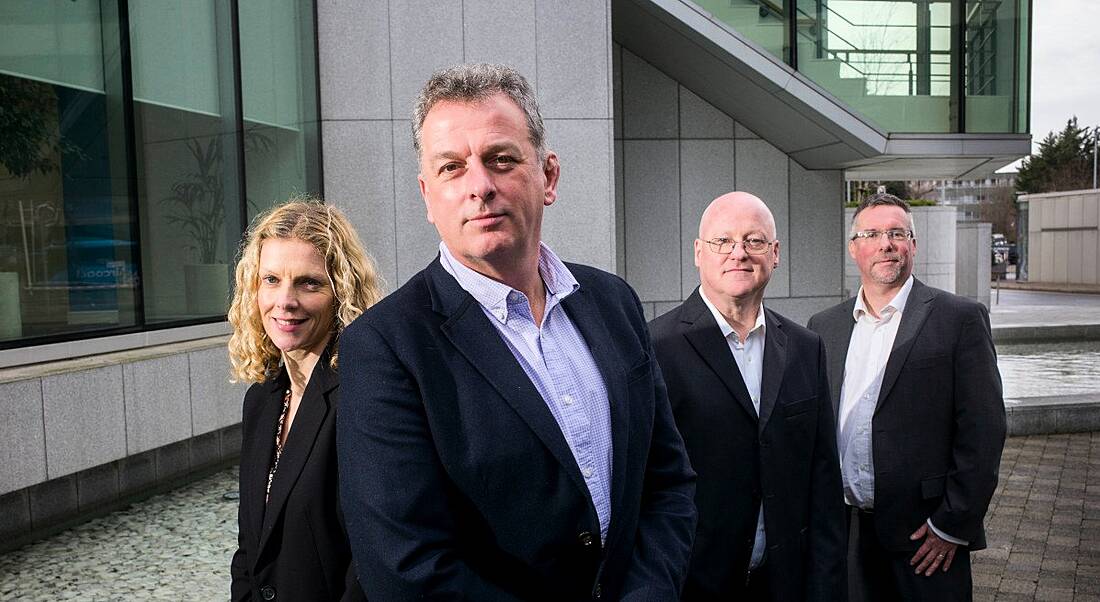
787,457
294,546
939,426
457,481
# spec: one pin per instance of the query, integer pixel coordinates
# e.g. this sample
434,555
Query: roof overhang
788,109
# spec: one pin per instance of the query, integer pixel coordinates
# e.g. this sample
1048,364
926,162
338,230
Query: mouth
486,219
288,324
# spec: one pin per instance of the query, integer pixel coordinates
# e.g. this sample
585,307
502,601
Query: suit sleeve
826,570
391,482
979,430
666,524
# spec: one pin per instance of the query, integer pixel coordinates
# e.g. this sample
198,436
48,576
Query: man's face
881,260
737,274
482,182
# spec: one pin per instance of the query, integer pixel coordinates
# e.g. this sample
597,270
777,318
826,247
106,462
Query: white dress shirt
868,351
749,355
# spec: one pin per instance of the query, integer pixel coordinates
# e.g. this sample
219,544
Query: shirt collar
496,296
895,306
724,326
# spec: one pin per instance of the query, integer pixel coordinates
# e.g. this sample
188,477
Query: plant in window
197,202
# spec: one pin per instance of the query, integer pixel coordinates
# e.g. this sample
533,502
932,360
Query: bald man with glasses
749,392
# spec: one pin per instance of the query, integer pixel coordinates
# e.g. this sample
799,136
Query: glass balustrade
920,66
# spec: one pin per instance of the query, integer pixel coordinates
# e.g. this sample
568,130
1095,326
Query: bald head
735,206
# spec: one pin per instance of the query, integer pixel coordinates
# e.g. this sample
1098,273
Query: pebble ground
1043,532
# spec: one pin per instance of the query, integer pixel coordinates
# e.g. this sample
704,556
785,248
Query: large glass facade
920,66
136,139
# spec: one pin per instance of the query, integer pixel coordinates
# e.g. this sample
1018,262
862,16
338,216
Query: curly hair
351,271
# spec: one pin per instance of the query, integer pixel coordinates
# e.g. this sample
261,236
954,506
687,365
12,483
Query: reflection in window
188,188
279,92
66,247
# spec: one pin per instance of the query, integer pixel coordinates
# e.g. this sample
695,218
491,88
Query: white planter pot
207,289
11,321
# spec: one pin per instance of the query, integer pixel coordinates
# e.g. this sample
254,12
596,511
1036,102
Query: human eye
450,167
269,279
897,234
755,243
867,234
502,161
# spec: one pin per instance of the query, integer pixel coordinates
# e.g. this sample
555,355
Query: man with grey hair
504,431
920,417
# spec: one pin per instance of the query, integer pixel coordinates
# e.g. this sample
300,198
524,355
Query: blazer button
586,539
267,592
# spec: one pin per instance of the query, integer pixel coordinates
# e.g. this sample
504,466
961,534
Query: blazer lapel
775,365
586,317
467,328
703,334
257,456
299,443
916,312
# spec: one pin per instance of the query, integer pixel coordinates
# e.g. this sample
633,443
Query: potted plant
197,207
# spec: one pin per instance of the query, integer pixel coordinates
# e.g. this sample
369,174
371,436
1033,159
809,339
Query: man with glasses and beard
920,419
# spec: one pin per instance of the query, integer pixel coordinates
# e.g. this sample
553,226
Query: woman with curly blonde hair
302,277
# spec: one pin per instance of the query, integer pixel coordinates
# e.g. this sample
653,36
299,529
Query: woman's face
295,297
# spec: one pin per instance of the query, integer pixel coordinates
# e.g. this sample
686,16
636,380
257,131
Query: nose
738,251
479,182
884,242
287,297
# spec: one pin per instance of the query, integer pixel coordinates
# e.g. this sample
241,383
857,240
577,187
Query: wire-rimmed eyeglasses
752,246
893,234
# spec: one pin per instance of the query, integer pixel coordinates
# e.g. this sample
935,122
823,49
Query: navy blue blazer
456,480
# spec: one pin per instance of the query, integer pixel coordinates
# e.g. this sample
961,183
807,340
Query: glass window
188,187
67,246
279,94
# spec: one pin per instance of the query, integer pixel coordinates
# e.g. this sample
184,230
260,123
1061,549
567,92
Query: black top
294,547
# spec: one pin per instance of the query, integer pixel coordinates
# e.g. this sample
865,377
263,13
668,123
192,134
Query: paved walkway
1044,538
1044,522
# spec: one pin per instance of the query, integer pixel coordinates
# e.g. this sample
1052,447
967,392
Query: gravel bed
174,546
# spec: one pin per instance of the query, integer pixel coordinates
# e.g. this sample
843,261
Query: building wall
674,154
83,434
972,260
1064,237
374,57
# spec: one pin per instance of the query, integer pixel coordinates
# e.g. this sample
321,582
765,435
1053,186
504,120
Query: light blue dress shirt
557,360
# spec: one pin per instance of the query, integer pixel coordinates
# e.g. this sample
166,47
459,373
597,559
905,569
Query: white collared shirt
749,355
868,352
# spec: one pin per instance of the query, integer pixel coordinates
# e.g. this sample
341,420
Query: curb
1061,333
1053,415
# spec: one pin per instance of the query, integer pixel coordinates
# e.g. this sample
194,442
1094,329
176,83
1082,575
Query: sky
1065,65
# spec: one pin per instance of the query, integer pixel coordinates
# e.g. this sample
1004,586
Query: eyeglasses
894,235
752,246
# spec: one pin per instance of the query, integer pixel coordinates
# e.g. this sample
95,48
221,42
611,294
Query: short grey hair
476,82
880,199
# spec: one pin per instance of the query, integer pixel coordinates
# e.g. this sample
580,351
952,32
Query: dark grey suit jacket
939,425
786,458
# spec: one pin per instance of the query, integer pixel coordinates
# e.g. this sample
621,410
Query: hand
932,553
